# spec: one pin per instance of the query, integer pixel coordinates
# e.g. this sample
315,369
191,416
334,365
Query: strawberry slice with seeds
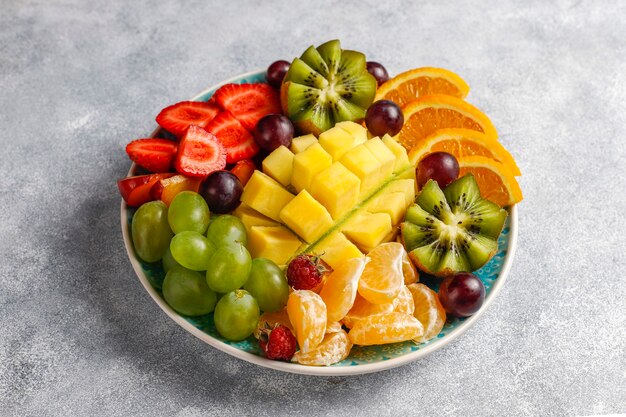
248,102
177,118
155,155
199,153
238,142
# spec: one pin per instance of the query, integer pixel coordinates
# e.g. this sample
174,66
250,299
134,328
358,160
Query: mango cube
384,155
394,204
402,159
265,195
362,163
405,186
279,165
305,216
276,243
336,142
336,248
358,132
368,230
250,217
307,164
301,143
337,189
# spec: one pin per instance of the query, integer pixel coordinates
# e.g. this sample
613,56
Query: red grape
462,294
378,71
272,131
439,166
221,190
276,72
384,117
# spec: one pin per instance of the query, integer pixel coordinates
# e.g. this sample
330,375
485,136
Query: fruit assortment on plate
304,211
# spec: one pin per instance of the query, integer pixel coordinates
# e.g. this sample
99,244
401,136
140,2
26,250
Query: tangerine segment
382,278
408,270
362,309
333,327
385,328
409,85
403,303
334,348
307,314
272,319
428,310
495,181
462,143
425,115
340,288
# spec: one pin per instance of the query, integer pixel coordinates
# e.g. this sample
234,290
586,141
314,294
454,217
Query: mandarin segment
403,303
385,328
382,278
340,288
428,310
362,309
334,348
270,320
307,314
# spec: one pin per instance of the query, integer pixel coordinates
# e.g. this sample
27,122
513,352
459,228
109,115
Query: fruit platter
322,217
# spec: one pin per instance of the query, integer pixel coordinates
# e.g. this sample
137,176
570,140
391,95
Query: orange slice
339,290
385,328
424,116
382,278
418,82
428,310
403,303
362,309
334,348
307,314
495,181
461,143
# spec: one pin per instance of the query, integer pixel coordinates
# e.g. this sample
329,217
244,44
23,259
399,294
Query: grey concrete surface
79,79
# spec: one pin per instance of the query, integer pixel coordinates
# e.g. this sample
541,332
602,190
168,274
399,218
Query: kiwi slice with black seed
452,230
326,85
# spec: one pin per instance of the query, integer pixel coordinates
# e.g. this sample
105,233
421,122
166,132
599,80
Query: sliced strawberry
238,142
136,190
243,170
178,117
155,155
248,102
199,153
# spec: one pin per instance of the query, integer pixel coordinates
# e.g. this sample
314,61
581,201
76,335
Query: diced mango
250,217
279,165
368,230
307,217
405,186
358,132
362,163
402,159
301,143
307,164
276,243
265,195
337,189
384,155
336,248
336,142
394,204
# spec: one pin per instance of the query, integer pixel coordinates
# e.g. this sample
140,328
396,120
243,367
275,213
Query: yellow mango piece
405,186
307,217
337,189
265,195
279,165
362,163
385,156
307,164
301,143
336,142
401,157
250,217
336,248
358,132
276,243
368,230
394,204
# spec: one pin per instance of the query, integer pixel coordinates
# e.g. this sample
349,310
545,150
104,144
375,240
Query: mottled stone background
79,79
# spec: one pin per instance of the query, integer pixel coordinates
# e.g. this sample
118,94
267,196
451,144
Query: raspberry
278,343
305,272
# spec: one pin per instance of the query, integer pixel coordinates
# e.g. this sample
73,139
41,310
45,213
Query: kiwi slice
326,85
452,230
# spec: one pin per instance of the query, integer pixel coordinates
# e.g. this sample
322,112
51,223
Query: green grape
188,211
150,231
226,229
192,250
229,268
168,260
236,315
268,285
187,293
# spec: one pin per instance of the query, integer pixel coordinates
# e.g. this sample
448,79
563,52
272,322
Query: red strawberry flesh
155,155
239,143
248,102
200,153
177,118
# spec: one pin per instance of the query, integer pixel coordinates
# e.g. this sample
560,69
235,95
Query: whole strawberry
305,272
278,343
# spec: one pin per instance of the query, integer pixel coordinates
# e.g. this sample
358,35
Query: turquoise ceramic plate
362,359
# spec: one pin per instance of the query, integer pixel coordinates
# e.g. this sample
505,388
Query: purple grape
222,191
378,71
384,117
276,72
439,166
272,131
462,294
